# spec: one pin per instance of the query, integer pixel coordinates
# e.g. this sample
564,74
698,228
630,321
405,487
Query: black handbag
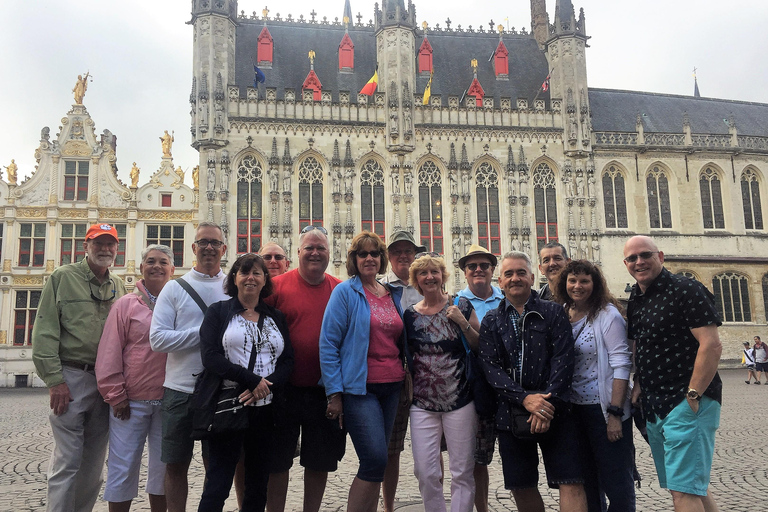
521,429
483,395
218,410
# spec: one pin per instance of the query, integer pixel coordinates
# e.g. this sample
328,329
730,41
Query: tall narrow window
310,193
431,207
501,61
72,238
545,205
750,198
24,314
2,231
372,197
31,244
172,236
659,212
346,53
76,180
732,297
711,199
614,199
265,47
249,180
121,234
487,188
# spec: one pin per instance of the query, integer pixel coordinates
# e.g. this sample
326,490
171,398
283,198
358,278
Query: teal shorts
683,444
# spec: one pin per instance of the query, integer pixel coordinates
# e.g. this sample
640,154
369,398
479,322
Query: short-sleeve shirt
439,357
660,321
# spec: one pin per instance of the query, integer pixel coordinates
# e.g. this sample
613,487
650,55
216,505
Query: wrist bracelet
331,397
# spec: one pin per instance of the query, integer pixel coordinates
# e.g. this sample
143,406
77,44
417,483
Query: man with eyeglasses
401,251
275,258
478,266
73,308
302,294
673,322
552,260
175,330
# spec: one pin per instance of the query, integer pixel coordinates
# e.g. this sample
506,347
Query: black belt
80,366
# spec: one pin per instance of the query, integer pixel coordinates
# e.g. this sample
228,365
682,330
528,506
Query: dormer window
425,57
501,59
346,54
265,47
76,180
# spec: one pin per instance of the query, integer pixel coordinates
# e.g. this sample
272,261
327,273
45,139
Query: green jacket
69,321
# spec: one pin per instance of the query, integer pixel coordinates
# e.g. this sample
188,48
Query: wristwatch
693,395
615,410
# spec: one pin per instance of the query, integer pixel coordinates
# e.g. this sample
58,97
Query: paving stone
738,469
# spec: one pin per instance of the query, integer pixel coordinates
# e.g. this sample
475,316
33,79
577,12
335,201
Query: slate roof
453,52
616,111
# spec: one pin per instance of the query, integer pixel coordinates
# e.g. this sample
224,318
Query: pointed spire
348,162
394,12
464,165
336,160
274,161
510,159
193,94
521,165
696,93
452,163
287,160
347,13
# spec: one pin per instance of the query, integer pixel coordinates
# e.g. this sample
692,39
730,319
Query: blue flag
258,76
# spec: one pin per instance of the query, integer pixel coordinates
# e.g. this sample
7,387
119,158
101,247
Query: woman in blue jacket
362,359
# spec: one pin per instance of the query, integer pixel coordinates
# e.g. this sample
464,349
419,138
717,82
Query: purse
521,429
483,395
218,410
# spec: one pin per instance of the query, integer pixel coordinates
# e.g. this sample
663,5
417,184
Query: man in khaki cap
478,266
402,251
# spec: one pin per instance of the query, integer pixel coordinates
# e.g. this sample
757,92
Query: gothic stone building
492,158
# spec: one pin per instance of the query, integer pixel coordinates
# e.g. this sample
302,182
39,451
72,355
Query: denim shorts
683,444
520,457
368,419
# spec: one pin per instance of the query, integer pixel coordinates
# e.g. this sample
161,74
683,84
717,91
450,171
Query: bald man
275,258
673,322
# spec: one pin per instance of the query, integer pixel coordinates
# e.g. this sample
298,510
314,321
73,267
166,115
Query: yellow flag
427,91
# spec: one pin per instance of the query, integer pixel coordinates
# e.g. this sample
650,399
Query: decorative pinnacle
424,25
265,12
346,20
311,56
474,65
500,28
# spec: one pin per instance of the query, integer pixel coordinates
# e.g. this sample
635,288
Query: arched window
750,197
310,193
372,197
659,211
732,297
488,231
431,207
711,199
688,274
614,198
545,205
249,179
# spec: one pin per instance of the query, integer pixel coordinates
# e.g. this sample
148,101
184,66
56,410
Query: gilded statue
80,87
134,175
196,177
12,168
180,174
167,143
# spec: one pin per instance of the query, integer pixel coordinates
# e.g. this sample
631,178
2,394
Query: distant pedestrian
761,359
748,360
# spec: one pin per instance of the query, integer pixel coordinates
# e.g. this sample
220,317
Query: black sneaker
758,383
746,381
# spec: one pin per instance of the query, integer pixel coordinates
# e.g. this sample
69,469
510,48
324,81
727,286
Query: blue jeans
608,466
369,419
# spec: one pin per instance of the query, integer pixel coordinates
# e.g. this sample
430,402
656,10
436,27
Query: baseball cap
98,230
404,236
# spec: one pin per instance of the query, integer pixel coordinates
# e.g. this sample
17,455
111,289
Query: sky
139,53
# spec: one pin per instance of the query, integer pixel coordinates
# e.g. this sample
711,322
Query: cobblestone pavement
739,467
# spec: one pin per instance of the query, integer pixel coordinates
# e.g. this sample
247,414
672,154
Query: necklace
374,290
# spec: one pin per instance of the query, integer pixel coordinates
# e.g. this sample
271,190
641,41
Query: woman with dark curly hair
245,342
600,386
362,359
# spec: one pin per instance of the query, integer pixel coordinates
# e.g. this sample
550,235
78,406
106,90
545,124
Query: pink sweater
126,366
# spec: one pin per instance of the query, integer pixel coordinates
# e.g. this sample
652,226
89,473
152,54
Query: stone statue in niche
456,246
219,114
203,108
572,247
465,182
393,130
580,184
287,179
349,175
570,189
211,179
523,186
408,180
595,251
511,183
573,127
336,178
287,244
515,244
336,249
395,182
225,172
527,247
454,182
584,248
407,121
591,186
274,180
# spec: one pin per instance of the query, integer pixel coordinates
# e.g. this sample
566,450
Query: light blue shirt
482,306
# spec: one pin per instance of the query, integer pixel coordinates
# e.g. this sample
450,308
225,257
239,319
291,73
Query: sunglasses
431,254
276,257
97,299
311,228
205,243
473,266
365,254
645,255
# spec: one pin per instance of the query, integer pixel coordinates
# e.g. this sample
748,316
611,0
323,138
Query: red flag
545,85
370,87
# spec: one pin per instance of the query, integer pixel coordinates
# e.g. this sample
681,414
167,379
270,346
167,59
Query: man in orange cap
73,308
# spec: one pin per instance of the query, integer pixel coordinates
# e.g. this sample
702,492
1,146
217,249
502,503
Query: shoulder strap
252,360
192,293
144,298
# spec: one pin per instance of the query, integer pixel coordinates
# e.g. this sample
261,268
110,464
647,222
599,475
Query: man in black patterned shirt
673,322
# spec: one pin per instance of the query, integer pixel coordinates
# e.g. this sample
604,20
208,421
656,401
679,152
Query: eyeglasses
276,257
97,299
400,252
645,255
205,243
365,254
311,228
431,254
473,266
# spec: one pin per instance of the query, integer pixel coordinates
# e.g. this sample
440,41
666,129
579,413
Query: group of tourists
266,364
755,358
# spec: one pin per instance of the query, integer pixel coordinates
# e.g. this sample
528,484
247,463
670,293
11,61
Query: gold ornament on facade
80,87
30,213
6,265
196,177
49,266
179,177
311,56
167,143
130,267
500,28
154,215
12,170
28,280
134,175
264,12
73,213
76,148
113,213
474,65
3,337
